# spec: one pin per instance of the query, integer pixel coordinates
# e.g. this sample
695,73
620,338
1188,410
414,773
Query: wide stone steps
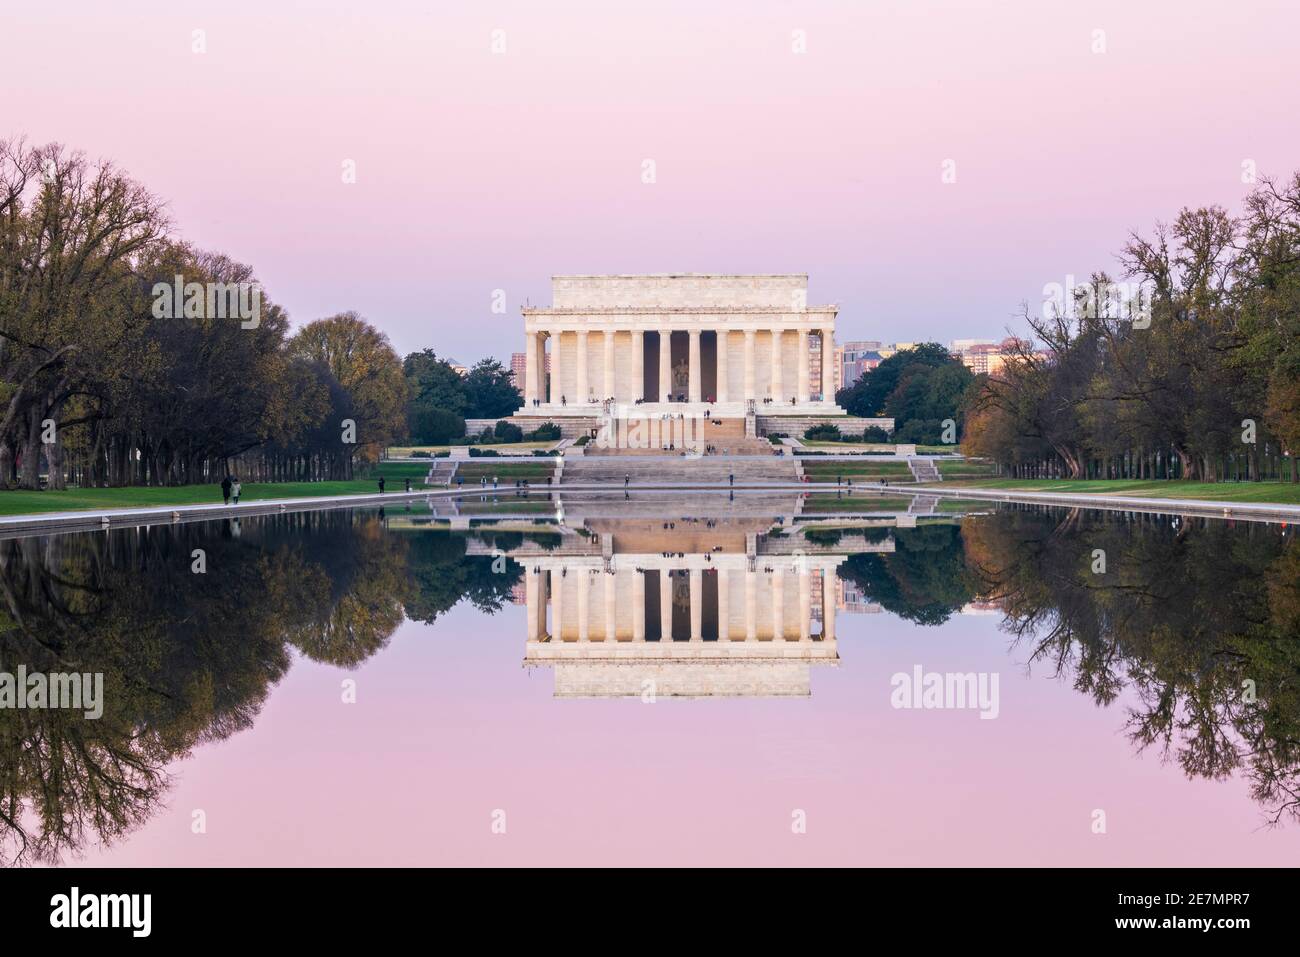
642,470
924,470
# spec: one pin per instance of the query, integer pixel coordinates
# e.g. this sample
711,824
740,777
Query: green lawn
535,470
849,503
1276,492
848,446
24,503
866,469
964,468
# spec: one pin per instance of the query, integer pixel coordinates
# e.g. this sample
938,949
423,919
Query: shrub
506,431
546,432
775,439
826,432
583,440
421,455
874,433
435,426
920,432
824,536
484,453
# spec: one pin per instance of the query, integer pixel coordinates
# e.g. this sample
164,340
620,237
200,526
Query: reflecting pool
771,678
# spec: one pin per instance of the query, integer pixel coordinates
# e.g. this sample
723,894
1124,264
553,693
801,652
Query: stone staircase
669,469
923,504
441,472
924,470
728,434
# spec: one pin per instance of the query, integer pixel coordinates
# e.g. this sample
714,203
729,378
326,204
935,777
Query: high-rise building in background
856,359
984,356
519,369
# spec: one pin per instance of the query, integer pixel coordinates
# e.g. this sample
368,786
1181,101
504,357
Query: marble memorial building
733,345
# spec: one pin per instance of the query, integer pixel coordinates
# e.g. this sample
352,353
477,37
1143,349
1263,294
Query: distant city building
849,598
856,359
982,608
983,358
460,367
519,369
958,346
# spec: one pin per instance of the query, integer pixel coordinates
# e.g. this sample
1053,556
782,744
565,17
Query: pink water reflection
449,727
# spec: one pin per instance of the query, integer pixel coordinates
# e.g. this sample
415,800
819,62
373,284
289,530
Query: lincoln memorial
732,345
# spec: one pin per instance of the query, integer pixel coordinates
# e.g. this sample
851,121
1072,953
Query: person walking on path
494,481
626,479
408,484
235,490
381,485
731,478
225,490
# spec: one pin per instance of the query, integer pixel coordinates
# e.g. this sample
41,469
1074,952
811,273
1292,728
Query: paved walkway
146,515
1124,503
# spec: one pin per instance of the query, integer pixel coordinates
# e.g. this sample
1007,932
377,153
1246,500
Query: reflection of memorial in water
729,605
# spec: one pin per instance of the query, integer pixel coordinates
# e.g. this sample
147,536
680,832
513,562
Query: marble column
778,605
665,605
557,594
722,365
611,606
638,366
530,368
582,387
638,605
828,365
532,589
584,610
778,387
751,606
805,367
805,604
693,367
665,365
538,371
555,367
828,604
697,605
724,605
609,364
749,366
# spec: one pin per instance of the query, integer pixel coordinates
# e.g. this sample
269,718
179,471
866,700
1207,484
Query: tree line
1191,372
130,357
923,389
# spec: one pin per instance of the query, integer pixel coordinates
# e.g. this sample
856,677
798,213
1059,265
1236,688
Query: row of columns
535,357
535,598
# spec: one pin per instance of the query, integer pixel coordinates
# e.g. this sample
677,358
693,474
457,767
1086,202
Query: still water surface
657,680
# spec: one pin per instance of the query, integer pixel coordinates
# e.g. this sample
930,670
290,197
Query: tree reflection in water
1198,620
189,658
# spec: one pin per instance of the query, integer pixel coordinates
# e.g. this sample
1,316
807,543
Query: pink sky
448,727
479,171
